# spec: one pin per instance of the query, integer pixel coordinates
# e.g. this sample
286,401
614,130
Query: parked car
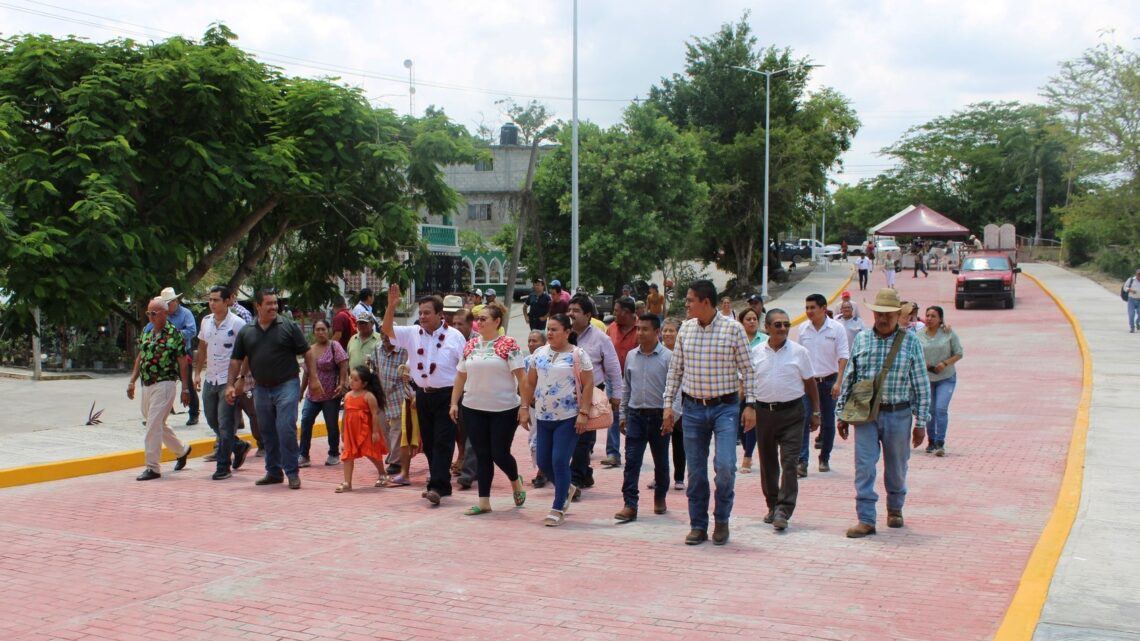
819,249
794,253
986,276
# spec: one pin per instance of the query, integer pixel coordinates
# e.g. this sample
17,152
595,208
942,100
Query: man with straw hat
904,392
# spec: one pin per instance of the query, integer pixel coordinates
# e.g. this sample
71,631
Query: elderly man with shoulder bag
884,387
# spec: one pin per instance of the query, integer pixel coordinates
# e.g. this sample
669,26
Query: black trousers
491,434
581,474
778,439
862,279
678,438
437,432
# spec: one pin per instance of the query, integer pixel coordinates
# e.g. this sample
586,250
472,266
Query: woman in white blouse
552,386
488,380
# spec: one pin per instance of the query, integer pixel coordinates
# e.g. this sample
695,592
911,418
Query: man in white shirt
434,350
864,267
783,377
826,343
850,321
364,304
216,339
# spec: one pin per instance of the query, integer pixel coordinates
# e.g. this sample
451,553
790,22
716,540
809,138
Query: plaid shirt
906,380
385,365
710,361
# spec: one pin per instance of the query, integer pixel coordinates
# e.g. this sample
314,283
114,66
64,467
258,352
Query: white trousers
158,400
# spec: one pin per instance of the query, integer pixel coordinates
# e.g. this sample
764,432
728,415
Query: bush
1117,261
1080,243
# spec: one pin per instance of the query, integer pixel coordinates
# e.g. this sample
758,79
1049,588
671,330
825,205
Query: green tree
724,108
155,162
1096,94
989,163
639,197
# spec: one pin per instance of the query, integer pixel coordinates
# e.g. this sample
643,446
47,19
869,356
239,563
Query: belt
648,411
709,402
894,407
825,379
776,407
434,390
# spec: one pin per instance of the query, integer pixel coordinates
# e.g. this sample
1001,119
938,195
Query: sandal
381,482
554,519
399,480
475,510
343,487
520,498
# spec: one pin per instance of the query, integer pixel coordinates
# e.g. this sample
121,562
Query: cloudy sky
900,62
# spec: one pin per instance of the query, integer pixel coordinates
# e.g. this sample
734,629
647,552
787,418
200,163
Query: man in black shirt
537,305
271,345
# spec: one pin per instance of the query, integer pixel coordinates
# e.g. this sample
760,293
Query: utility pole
574,168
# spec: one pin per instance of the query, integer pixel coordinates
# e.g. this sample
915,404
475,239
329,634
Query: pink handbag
600,412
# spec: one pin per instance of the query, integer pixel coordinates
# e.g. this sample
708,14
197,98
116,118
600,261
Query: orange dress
356,431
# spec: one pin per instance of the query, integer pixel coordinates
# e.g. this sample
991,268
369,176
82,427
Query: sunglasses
781,325
151,314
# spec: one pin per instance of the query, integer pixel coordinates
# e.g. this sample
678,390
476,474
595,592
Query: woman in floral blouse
554,390
488,380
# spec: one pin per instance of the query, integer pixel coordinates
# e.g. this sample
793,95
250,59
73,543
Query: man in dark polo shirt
271,346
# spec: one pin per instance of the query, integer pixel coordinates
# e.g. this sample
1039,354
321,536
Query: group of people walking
454,379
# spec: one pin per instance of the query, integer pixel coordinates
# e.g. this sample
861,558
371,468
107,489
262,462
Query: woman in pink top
489,379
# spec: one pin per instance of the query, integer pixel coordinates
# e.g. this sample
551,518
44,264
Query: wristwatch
815,414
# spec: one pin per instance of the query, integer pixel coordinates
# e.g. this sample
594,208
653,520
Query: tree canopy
126,167
723,107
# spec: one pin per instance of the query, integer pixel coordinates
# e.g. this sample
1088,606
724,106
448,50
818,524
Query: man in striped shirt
709,360
905,391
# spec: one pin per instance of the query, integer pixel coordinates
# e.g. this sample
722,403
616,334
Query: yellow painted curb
1024,611
57,470
834,296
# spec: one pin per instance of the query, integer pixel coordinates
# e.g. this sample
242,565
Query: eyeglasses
781,325
150,314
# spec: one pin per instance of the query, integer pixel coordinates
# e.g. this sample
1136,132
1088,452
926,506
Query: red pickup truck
986,275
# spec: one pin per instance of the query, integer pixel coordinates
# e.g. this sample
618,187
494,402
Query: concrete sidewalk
1095,592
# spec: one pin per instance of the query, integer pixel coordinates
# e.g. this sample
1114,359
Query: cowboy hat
887,300
168,294
452,303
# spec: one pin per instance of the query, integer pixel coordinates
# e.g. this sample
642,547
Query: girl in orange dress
363,427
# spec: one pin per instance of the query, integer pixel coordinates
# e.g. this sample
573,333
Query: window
980,264
479,212
485,165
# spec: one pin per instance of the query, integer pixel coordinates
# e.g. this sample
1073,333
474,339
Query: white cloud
900,62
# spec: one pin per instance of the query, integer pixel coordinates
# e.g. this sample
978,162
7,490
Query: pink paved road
186,558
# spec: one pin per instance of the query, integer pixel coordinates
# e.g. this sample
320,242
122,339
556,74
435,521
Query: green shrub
1117,261
1080,243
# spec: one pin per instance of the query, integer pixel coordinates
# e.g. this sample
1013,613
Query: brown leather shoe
801,470
659,506
720,533
894,518
696,537
626,514
860,530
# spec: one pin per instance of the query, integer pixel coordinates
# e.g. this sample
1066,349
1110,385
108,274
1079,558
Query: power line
279,58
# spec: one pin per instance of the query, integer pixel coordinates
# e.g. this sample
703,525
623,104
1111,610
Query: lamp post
767,109
574,166
410,66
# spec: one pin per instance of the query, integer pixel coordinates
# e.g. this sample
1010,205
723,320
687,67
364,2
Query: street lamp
410,66
767,108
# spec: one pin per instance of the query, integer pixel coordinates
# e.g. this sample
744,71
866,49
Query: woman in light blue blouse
941,347
554,389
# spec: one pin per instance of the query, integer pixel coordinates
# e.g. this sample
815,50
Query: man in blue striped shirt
905,392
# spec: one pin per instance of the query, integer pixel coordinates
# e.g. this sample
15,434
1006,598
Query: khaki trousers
158,400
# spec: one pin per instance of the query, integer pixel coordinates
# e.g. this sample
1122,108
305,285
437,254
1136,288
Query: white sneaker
332,460
303,461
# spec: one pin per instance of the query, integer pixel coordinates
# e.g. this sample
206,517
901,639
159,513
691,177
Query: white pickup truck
818,249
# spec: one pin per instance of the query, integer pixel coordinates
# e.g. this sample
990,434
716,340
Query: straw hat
887,300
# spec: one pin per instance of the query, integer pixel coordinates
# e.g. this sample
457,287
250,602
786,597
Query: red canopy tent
919,220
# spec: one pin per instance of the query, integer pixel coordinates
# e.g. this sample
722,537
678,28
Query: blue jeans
641,430
331,411
702,425
613,440
826,422
277,415
940,394
747,439
554,445
891,432
222,418
1133,313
